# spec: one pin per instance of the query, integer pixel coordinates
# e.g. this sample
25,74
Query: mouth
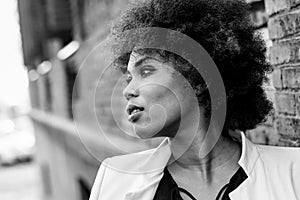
134,112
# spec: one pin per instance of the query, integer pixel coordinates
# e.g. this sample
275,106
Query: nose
130,91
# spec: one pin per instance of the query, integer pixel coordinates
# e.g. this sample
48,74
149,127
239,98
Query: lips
134,112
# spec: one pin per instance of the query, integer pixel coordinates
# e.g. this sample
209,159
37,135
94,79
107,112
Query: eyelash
144,75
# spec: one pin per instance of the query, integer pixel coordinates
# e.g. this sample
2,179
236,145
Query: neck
222,160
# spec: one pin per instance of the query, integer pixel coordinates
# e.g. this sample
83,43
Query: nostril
129,94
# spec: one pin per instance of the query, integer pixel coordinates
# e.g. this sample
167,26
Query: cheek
158,94
163,102
163,113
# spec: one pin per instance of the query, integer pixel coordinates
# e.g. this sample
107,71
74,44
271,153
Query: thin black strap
187,193
179,189
221,191
175,189
234,182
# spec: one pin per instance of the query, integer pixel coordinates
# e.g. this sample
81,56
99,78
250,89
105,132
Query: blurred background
43,43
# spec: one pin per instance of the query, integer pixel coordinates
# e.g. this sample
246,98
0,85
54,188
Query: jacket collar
138,174
151,160
144,160
249,155
144,163
247,161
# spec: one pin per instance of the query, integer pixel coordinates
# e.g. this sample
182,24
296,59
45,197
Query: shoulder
282,163
280,155
273,172
95,191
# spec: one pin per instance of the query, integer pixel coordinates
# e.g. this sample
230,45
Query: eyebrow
140,62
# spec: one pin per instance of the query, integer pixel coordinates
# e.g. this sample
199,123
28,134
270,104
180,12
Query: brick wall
284,31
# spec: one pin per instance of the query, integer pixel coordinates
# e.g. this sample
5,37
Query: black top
169,190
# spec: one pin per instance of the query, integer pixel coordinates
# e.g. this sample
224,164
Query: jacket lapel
247,161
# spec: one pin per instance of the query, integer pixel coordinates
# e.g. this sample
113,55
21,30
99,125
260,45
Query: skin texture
155,82
157,87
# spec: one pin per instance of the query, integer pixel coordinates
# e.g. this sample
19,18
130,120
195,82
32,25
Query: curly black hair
224,29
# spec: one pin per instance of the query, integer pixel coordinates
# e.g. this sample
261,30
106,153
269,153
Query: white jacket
273,174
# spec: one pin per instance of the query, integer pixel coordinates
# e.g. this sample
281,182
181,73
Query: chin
154,130
146,132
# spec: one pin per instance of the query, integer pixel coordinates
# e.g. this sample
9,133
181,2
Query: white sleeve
97,183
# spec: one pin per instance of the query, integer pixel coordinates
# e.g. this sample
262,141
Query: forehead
136,55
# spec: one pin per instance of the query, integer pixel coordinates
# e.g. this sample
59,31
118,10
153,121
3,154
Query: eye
146,71
128,77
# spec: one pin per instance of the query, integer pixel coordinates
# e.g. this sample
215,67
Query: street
20,182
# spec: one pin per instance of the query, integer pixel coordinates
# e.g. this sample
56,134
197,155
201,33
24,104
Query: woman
231,170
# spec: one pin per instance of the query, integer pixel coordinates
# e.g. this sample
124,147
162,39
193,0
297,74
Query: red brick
284,25
280,54
297,100
285,52
295,2
291,78
285,103
288,126
274,6
287,141
277,79
264,135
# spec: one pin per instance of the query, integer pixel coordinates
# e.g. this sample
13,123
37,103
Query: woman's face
158,96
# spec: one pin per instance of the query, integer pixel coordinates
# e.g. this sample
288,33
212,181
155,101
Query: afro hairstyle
224,29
